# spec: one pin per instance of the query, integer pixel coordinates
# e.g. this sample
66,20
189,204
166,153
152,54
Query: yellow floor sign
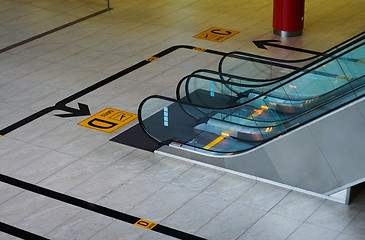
108,120
216,34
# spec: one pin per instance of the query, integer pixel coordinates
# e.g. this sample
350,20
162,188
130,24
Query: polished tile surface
57,154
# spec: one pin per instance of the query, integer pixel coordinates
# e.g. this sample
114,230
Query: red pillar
288,17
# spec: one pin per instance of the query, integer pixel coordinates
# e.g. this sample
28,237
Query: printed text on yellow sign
216,34
108,120
145,224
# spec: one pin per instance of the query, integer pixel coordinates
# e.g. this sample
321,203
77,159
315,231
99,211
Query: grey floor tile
60,135
151,235
119,230
31,95
71,176
167,169
356,227
108,153
344,236
231,222
138,161
21,206
101,184
9,144
163,203
84,144
24,155
198,178
271,226
6,236
230,186
82,226
8,191
263,196
309,231
44,167
131,193
196,213
48,217
35,129
297,206
332,215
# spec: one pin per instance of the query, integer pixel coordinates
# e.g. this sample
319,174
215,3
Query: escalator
231,121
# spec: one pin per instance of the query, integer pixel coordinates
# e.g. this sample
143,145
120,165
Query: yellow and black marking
343,78
145,224
199,49
108,120
216,34
151,59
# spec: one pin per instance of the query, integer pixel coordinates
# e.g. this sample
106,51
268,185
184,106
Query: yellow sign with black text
145,224
108,120
216,34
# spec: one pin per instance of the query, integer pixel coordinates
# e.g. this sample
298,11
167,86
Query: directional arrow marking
263,43
83,108
74,112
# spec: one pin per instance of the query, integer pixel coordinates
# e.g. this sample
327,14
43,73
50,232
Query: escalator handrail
268,59
298,69
329,59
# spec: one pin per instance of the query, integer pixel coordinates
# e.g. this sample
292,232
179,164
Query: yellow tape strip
215,141
343,77
255,114
199,49
151,59
145,224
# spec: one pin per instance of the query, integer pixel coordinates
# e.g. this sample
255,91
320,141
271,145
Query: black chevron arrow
73,112
263,43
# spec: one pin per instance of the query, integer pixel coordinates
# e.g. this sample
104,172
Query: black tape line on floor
51,31
61,105
20,233
96,208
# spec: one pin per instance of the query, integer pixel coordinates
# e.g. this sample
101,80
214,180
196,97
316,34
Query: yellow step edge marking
343,77
1,135
214,142
151,59
199,49
255,113
361,61
145,224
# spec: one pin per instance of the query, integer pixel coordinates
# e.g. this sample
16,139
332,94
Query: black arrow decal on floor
74,112
263,43
83,108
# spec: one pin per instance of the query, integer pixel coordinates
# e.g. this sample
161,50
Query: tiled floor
57,154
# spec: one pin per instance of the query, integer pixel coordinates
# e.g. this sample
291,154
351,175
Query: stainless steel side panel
324,156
